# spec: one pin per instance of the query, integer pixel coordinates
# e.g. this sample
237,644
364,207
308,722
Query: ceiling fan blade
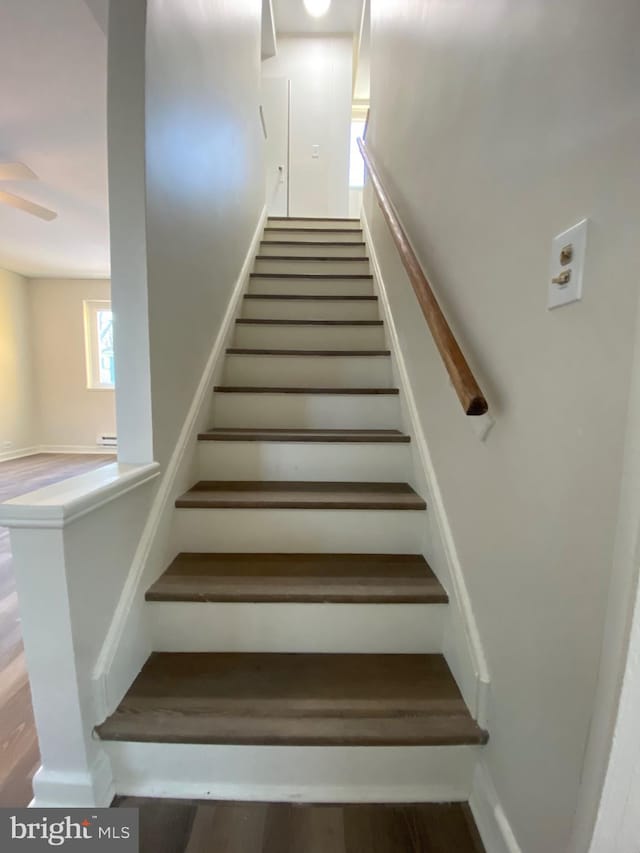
16,172
28,206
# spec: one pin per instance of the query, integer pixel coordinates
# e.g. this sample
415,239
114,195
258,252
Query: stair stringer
462,647
128,642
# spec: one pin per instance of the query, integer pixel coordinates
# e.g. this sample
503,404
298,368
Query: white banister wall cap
61,503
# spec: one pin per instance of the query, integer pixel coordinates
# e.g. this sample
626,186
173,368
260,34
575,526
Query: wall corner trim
460,591
493,826
105,690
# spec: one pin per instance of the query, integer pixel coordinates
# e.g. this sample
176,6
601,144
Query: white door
275,117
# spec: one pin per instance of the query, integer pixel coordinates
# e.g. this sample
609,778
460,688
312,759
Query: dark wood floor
170,826
19,756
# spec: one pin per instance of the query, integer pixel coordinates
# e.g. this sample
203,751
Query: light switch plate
576,238
315,151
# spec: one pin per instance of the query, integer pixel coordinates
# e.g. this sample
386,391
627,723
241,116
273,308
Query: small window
356,163
98,337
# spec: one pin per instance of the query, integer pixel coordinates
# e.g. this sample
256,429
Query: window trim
92,355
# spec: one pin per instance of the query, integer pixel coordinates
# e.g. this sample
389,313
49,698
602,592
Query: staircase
299,611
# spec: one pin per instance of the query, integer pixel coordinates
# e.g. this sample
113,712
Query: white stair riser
293,531
309,309
302,286
313,774
344,250
317,224
333,462
312,267
309,337
316,236
308,370
296,627
301,411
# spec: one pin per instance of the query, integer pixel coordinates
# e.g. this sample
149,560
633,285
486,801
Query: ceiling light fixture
317,8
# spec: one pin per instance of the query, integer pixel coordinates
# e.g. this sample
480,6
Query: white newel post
74,771
72,547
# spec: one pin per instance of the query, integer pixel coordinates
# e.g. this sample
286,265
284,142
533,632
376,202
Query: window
98,339
356,163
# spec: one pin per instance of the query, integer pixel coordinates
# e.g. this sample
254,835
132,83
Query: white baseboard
493,826
75,790
472,657
19,453
127,642
89,449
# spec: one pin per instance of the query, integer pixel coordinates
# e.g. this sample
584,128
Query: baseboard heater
107,441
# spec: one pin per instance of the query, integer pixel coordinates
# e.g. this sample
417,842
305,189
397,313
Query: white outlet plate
562,294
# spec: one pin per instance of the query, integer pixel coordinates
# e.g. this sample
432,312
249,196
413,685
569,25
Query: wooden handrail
467,389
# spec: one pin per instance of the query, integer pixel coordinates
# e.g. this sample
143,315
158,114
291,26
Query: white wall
205,185
618,822
16,369
320,70
44,400
67,414
186,198
509,144
128,228
355,202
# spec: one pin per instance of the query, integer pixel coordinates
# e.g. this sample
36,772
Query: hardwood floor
19,756
170,826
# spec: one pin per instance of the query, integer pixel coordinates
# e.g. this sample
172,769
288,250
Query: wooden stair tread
377,436
322,699
344,353
161,726
248,321
314,297
314,276
310,243
269,389
337,578
313,219
282,494
347,258
301,230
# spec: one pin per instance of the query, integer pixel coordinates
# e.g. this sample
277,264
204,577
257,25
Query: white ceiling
342,17
53,66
